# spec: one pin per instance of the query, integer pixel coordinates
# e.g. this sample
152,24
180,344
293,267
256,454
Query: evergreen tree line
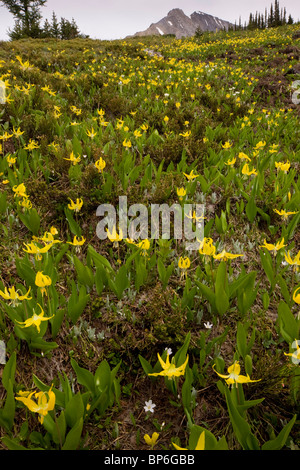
276,16
63,29
27,14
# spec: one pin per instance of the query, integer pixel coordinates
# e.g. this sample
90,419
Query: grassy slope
231,88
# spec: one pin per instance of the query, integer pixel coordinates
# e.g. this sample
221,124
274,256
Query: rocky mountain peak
178,23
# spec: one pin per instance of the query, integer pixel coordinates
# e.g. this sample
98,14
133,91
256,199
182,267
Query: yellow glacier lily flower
75,206
184,264
169,368
77,242
20,190
92,134
35,320
42,281
246,170
45,402
181,192
73,159
230,162
33,249
283,166
225,255
12,294
151,441
206,247
191,176
284,214
114,236
100,164
227,145
234,377
271,247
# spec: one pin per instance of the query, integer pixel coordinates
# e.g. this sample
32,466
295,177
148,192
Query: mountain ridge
181,25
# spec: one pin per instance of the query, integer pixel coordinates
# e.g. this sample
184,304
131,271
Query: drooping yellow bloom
206,247
5,136
284,214
73,159
20,190
169,368
45,402
144,245
32,145
11,160
181,192
234,377
151,441
34,249
78,243
75,206
12,294
230,162
199,446
92,134
126,143
100,164
271,247
35,320
260,145
114,236
24,65
25,203
296,296
246,170
42,281
17,132
227,145
47,238
144,127
293,262
184,264
283,166
192,215
53,230
191,176
186,134
75,110
225,255
243,156
137,133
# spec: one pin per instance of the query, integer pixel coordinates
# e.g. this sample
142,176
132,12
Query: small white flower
208,325
169,351
149,406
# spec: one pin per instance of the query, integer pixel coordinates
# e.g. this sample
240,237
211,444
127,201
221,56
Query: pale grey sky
115,19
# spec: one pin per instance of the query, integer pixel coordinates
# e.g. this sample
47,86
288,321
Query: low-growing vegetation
141,344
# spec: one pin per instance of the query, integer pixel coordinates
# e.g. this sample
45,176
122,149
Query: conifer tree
27,17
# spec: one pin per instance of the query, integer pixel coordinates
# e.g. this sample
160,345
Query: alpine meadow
130,341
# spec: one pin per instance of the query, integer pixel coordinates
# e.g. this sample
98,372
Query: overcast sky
115,19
